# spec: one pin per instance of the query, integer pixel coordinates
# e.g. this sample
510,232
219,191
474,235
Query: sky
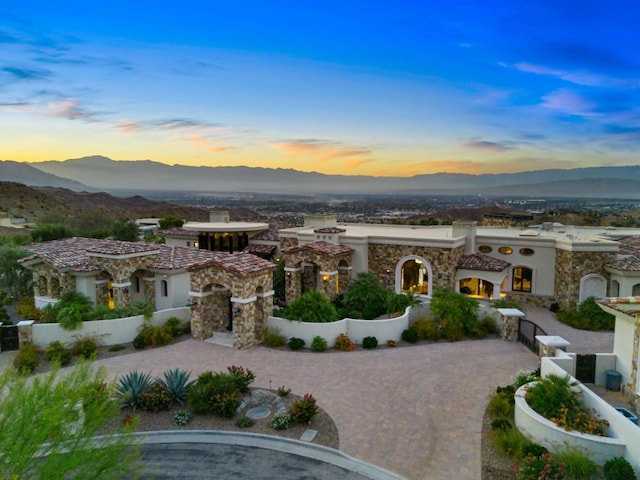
383,88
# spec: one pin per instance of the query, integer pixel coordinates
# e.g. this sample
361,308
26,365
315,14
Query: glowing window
505,250
522,279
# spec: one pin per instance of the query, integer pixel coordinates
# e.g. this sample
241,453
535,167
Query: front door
586,368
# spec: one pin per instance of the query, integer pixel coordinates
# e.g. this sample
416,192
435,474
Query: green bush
274,339
588,316
243,377
366,296
244,422
312,306
27,358
216,394
504,303
318,344
116,348
500,424
181,418
534,450
177,383
501,405
452,329
303,410
398,302
618,468
57,352
131,386
489,325
156,336
455,311
577,464
542,467
410,335
296,343
426,329
174,325
86,347
369,343
139,343
156,398
509,443
281,421
26,308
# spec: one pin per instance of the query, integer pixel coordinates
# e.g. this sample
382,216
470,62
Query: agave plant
177,382
131,386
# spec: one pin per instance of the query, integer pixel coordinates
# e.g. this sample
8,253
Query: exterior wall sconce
325,278
195,244
236,310
288,274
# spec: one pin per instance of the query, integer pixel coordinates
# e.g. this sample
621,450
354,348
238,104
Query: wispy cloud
23,73
569,102
67,108
578,77
322,150
487,146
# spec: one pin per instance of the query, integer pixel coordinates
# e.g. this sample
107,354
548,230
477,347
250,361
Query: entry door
586,368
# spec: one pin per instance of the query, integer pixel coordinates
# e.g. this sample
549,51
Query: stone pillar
150,290
121,294
102,295
329,284
344,278
293,277
509,330
549,344
25,331
244,325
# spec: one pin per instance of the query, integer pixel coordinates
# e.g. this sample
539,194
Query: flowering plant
344,343
543,467
243,377
392,343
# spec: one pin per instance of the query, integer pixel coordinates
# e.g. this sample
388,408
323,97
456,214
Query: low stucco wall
382,329
110,332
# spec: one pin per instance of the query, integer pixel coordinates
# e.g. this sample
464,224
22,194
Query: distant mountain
24,173
102,173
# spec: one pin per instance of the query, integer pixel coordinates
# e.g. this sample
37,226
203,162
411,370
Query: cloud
578,77
178,123
569,102
71,110
322,150
487,146
20,73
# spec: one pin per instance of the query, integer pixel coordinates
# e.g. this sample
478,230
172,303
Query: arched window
164,288
522,279
415,277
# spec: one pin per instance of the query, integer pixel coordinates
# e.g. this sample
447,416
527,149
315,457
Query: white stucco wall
178,290
87,286
623,346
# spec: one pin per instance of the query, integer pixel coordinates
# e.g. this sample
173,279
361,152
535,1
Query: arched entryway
592,285
310,277
413,274
476,287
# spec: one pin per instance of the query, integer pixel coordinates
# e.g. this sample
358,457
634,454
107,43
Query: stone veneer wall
570,267
288,243
631,387
531,300
383,260
121,270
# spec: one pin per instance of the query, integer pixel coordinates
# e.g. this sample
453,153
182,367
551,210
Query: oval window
527,252
505,250
485,249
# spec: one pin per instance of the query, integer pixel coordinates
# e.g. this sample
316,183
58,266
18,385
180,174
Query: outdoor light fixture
325,278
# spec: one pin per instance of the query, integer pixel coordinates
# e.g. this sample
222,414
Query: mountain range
98,173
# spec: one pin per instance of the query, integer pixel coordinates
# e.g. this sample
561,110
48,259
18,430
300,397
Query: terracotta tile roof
629,246
485,263
112,247
177,232
616,304
321,247
271,235
244,263
260,249
629,264
12,230
330,230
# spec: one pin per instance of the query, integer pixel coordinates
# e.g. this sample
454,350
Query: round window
527,252
485,249
506,250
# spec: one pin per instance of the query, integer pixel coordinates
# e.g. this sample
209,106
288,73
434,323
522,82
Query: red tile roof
629,246
330,230
321,247
177,232
629,264
259,249
271,235
481,262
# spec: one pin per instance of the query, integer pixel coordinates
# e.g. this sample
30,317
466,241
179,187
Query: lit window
527,252
485,249
505,250
522,279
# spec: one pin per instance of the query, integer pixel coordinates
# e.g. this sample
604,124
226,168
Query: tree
312,306
51,231
170,222
366,296
49,426
125,230
448,306
14,278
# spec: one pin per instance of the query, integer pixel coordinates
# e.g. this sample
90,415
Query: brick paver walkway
415,410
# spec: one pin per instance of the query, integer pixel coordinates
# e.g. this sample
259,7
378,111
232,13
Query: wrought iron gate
527,331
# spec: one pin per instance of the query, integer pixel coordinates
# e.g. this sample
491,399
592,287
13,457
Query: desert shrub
369,343
426,329
85,347
274,339
243,377
130,387
26,308
533,450
215,393
283,391
544,466
577,464
410,335
139,343
501,405
156,336
618,468
488,325
392,343
303,410
27,358
500,424
318,344
296,343
156,398
312,306
116,348
366,296
244,422
344,343
281,421
453,308
181,418
452,329
509,442
588,316
57,352
174,325
177,383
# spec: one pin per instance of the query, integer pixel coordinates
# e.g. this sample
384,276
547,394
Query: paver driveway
415,410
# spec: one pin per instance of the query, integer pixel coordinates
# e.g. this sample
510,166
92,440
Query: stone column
329,285
509,330
293,277
25,331
244,325
121,294
150,290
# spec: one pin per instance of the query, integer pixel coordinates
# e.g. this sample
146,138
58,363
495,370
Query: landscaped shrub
398,302
526,377
283,391
174,325
344,343
543,467
26,308
72,309
488,325
453,308
409,335
426,329
244,422
156,398
312,306
215,393
509,442
181,418
86,347
369,343
303,410
281,421
131,386
392,343
504,303
500,424
588,316
534,450
243,377
318,344
577,464
27,358
177,383
116,348
501,405
57,352
452,329
274,339
366,296
554,307
296,343
139,343
156,336
618,468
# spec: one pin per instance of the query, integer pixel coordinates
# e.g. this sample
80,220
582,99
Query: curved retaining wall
111,332
383,329
546,433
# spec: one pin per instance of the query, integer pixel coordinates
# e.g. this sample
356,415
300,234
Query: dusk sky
393,88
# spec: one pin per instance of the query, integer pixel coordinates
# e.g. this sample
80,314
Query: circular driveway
415,410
